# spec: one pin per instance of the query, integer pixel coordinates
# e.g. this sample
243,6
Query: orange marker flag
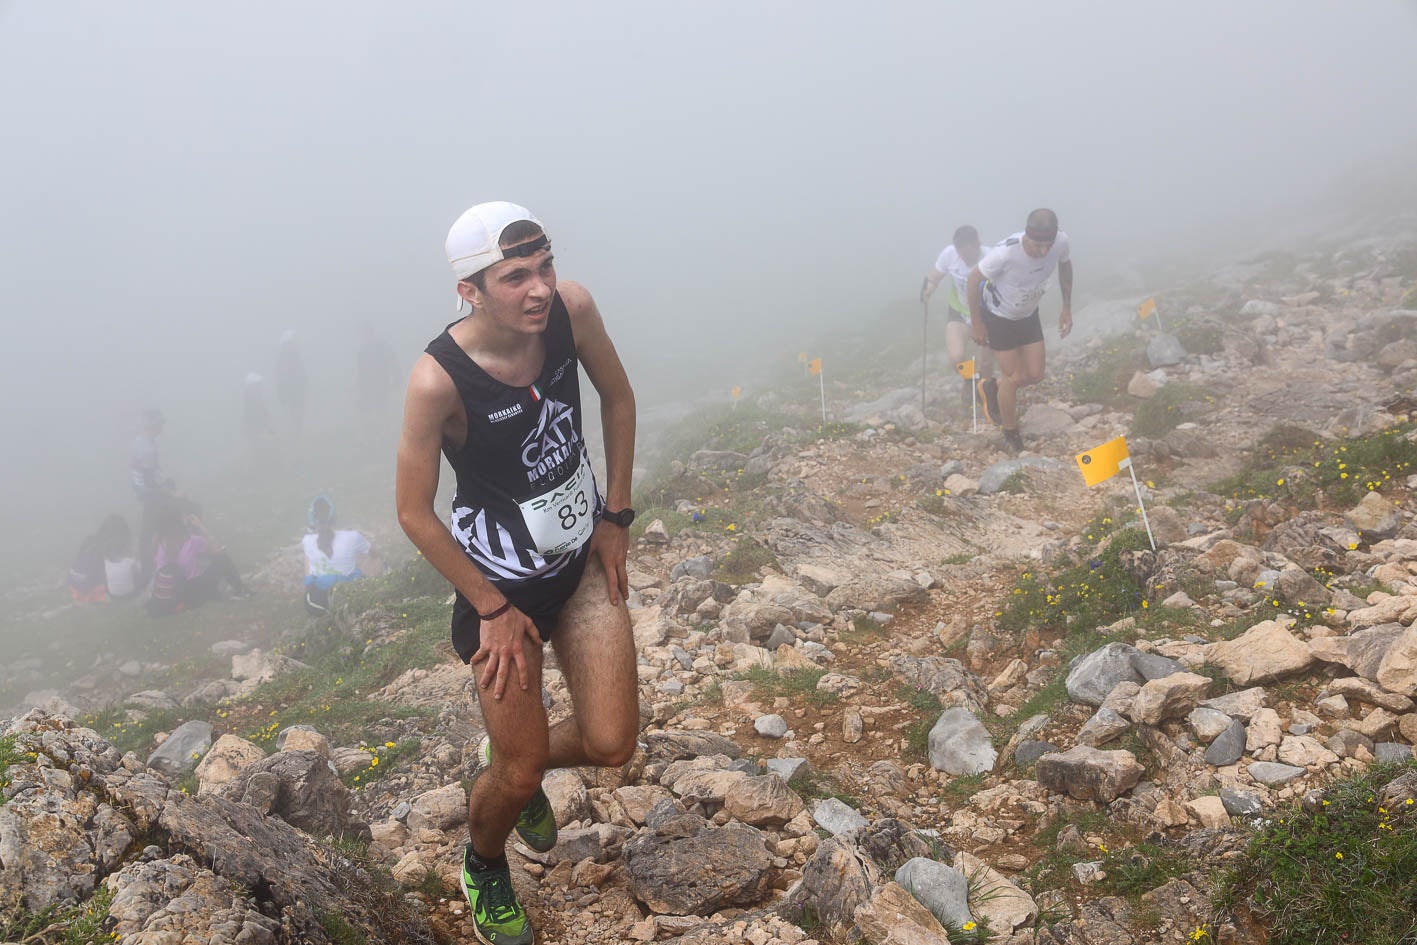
801,357
1146,309
735,393
966,369
1103,462
814,367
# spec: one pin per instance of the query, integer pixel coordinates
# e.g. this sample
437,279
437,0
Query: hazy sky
180,182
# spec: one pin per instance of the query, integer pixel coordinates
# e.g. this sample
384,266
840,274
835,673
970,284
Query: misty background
180,183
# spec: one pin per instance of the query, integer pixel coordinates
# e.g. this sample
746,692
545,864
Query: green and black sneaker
536,824
497,917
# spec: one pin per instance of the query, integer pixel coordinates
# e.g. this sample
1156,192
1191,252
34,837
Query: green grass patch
339,929
794,683
1345,873
864,629
1172,405
1296,466
1141,868
1015,484
1199,337
81,924
1088,591
136,735
1054,869
9,755
1109,371
744,559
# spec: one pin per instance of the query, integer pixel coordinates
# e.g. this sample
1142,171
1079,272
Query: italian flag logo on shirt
535,393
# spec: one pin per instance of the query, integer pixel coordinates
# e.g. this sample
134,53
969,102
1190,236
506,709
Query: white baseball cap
473,240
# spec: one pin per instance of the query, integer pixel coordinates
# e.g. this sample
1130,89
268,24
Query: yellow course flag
966,369
814,367
1103,462
801,357
736,392
1146,309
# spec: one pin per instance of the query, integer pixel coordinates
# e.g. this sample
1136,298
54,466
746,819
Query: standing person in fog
535,552
955,263
1004,290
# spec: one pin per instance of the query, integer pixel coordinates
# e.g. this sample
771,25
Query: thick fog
180,183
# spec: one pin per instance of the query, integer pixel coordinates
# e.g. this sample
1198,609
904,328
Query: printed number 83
571,512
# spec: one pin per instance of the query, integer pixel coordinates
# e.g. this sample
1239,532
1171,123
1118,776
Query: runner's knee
520,777
607,749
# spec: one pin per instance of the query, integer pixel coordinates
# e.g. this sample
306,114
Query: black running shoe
1013,442
989,396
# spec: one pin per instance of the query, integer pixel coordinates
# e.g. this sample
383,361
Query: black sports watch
623,518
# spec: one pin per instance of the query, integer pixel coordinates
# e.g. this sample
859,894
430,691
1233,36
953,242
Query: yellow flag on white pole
1103,462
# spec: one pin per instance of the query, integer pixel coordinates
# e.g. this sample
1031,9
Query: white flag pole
1127,465
1159,327
822,383
974,401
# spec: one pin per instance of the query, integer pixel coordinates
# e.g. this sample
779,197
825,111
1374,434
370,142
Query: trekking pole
924,341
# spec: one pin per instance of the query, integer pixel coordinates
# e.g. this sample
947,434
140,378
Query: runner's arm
932,282
1065,282
431,401
617,419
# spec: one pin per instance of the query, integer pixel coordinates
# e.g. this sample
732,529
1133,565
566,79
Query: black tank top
526,498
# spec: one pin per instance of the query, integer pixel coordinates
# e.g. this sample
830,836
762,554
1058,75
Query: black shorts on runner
541,599
1006,334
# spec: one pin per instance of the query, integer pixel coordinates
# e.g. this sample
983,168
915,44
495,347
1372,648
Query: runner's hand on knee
502,650
610,544
978,333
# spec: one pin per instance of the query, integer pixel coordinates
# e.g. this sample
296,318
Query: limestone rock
835,817
836,881
1105,725
306,792
1272,773
1374,517
1169,697
568,796
1090,774
226,759
182,749
1164,350
960,744
1228,747
893,917
1265,652
940,888
1209,811
993,897
443,808
762,801
713,869
1398,670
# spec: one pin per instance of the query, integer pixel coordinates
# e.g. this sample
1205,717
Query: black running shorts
1007,334
541,599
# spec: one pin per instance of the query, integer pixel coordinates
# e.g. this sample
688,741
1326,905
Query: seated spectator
331,555
122,572
188,568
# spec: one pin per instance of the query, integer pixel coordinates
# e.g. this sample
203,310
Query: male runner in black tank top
534,552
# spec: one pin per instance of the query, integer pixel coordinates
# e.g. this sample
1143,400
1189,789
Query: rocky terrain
896,686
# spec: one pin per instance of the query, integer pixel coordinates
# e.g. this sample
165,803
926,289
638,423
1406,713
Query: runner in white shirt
1003,294
956,262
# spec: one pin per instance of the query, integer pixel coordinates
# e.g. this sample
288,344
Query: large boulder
1093,676
1089,774
442,808
940,888
301,788
1398,670
836,881
1265,652
893,917
1164,350
227,758
762,801
714,868
1169,697
1374,517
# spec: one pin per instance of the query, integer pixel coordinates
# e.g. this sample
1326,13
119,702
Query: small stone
770,726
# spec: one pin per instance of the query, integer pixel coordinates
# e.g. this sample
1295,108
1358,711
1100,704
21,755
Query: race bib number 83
562,519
